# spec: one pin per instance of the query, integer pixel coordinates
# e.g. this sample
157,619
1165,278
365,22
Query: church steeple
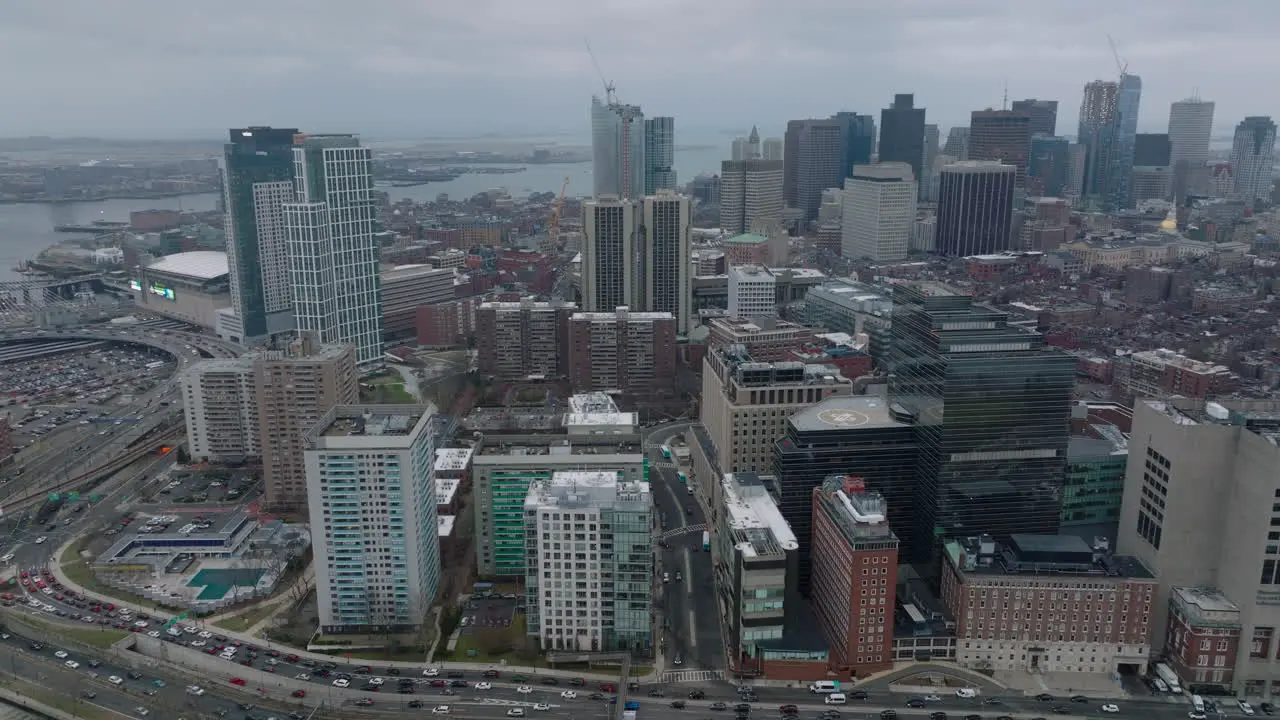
755,135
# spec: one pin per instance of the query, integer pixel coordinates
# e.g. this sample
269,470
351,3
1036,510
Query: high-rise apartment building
854,578
1077,167
617,149
879,212
257,180
902,133
593,594
624,351
1201,508
294,388
333,254
1097,133
1001,136
957,145
991,405
1047,166
659,154
975,207
667,220
812,162
1253,158
519,340
610,251
1190,125
752,292
373,509
1043,115
750,194
221,411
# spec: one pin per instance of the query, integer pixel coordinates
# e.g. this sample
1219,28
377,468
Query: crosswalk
687,676
663,465
686,530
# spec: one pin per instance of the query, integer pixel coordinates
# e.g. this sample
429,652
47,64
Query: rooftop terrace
754,519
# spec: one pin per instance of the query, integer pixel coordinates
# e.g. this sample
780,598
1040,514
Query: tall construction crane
553,228
1120,64
609,95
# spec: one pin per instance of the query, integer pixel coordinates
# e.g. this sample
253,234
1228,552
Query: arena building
191,287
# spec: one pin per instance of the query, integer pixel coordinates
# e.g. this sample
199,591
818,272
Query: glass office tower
991,405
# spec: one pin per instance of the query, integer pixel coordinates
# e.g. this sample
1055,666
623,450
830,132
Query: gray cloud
433,67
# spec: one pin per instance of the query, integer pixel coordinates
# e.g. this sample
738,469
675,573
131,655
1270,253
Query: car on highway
1245,707
342,683
61,654
966,693
195,690
432,672
72,664
541,706
1110,708
115,680
364,702
440,710
569,695
483,686
523,689
238,682
515,712
299,693
1197,715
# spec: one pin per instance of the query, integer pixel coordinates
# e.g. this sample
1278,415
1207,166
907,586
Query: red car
26,574
439,683
237,681
299,693
292,658
608,687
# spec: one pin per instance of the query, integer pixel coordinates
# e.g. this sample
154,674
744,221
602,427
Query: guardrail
140,451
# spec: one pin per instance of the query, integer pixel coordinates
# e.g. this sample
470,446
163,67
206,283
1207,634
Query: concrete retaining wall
35,706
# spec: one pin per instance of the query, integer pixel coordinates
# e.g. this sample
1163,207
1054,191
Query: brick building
631,352
1047,603
854,576
765,339
517,340
447,324
1204,637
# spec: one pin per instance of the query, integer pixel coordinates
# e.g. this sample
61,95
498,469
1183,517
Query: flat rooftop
586,489
446,490
380,424
444,525
592,402
600,419
845,413
556,445
1207,605
754,518
453,459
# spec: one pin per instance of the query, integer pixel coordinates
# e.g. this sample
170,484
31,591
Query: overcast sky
418,68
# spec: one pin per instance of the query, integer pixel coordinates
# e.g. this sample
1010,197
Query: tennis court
217,582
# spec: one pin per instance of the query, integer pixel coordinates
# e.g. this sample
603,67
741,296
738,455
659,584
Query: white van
823,687
835,699
1197,702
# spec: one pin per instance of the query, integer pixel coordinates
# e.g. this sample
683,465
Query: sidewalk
250,639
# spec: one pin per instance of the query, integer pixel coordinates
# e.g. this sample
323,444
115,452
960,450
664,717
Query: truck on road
706,541
629,710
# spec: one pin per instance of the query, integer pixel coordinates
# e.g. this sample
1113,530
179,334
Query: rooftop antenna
609,95
1004,103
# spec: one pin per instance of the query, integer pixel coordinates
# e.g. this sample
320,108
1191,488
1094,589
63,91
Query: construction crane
609,95
1120,64
553,229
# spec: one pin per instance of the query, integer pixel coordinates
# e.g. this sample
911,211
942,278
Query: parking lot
489,610
206,486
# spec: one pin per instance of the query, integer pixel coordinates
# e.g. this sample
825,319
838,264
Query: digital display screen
162,291
135,285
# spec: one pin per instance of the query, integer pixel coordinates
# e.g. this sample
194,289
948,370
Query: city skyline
417,65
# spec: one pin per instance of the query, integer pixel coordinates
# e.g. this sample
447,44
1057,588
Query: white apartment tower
1253,158
373,515
879,212
221,410
667,219
1190,126
750,195
333,254
752,292
617,149
610,250
582,597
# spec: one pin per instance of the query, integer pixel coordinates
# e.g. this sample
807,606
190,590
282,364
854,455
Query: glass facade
1094,484
991,405
884,455
626,548
507,491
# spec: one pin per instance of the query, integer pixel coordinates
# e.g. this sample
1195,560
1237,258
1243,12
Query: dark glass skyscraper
257,181
991,405
1043,114
659,154
860,436
811,159
859,139
1001,136
975,207
1047,170
902,133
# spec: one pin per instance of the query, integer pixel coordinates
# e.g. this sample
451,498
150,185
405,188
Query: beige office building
745,404
294,389
221,415
1201,508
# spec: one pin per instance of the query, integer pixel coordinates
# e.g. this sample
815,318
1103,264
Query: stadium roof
199,264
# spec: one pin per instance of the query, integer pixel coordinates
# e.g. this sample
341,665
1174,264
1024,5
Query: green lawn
99,636
403,655
387,389
70,705
247,619
78,571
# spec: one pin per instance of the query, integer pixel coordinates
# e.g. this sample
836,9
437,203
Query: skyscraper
1128,99
750,194
859,140
957,145
1190,124
1001,136
667,219
1043,114
609,253
990,403
902,133
617,149
746,148
257,180
1047,168
879,212
333,254
975,208
659,154
1097,134
812,162
771,149
1253,158
932,145
1152,179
